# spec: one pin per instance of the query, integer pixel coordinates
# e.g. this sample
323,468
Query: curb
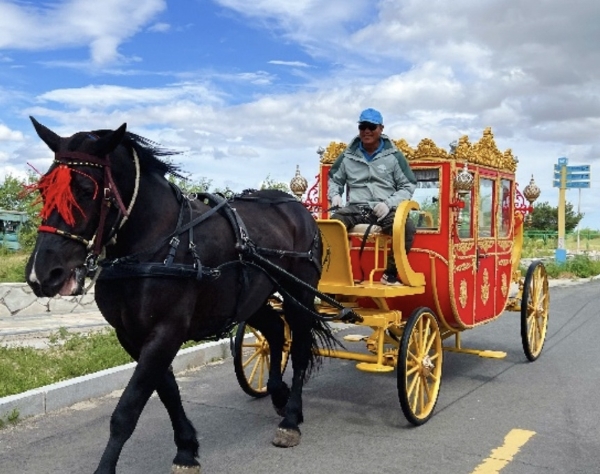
53,397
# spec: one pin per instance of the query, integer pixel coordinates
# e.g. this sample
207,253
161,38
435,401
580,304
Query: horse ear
48,136
111,141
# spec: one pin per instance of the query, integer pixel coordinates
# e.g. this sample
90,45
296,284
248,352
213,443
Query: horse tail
321,333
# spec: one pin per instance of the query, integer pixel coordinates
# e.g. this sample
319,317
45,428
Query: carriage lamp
531,193
298,184
463,183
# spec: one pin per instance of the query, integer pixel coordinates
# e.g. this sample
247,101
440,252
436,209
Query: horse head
73,193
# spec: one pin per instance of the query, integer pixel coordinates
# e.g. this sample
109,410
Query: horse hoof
177,469
285,438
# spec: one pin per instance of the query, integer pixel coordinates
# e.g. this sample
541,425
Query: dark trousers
352,215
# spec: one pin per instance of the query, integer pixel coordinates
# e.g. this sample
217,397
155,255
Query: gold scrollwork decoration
464,247
504,245
504,286
463,294
332,151
485,287
486,244
463,266
504,262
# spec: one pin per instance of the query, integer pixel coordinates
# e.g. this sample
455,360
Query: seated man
377,176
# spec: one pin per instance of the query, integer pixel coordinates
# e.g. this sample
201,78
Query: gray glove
336,201
381,210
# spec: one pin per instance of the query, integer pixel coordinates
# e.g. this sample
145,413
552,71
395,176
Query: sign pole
568,177
561,252
579,222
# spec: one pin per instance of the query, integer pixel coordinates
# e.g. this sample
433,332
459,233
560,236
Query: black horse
173,268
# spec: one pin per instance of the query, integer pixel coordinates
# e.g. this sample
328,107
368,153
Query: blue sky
251,89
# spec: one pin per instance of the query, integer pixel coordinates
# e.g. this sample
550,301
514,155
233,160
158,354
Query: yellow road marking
500,457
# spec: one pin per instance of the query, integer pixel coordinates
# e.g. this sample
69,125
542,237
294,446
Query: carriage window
427,195
465,218
504,218
486,201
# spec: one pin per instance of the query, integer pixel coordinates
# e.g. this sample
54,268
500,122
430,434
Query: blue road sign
579,169
571,184
573,176
578,184
562,161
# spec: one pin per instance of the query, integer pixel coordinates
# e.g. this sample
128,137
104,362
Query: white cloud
6,134
75,23
159,28
435,69
289,63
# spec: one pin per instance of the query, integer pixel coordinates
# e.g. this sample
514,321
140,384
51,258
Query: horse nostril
56,276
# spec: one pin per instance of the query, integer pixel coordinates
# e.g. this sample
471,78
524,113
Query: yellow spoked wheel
252,359
420,366
534,310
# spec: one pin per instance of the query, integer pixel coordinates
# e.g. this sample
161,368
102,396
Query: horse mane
151,154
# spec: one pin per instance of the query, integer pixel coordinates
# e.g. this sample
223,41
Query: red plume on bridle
55,193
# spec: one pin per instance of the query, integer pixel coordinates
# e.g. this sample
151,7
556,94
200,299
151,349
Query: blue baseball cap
371,116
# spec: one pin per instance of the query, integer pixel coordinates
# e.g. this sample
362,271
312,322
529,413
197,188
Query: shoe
390,279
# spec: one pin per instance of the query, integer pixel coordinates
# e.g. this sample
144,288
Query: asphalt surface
353,423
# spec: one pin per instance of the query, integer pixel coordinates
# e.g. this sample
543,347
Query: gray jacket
387,177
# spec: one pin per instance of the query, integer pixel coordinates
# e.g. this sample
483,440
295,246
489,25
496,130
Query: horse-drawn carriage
171,266
462,271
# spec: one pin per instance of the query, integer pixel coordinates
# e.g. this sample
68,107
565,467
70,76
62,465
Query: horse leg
150,373
183,429
270,324
184,432
288,433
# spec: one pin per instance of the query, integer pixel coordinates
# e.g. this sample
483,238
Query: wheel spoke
261,373
251,358
253,372
411,371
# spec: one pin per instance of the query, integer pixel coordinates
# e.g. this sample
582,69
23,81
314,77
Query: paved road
354,423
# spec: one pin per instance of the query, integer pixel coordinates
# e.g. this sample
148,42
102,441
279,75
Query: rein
111,195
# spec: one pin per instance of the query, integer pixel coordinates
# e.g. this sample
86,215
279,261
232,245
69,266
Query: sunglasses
367,126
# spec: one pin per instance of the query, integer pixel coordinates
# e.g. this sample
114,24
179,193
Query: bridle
110,196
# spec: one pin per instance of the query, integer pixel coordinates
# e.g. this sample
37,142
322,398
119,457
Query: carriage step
368,367
486,353
355,338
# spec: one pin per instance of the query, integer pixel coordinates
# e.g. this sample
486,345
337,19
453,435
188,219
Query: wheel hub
426,366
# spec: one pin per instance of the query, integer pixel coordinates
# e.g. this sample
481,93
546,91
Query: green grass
579,266
71,355
11,418
12,269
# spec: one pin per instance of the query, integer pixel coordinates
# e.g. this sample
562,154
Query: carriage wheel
252,359
534,310
420,366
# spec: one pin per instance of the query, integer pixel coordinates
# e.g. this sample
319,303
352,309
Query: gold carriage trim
463,296
504,245
463,266
486,244
485,287
504,286
504,262
484,152
464,247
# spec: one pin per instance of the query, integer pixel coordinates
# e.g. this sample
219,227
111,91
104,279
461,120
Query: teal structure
10,222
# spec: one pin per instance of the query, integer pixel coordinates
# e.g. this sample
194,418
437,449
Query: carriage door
485,248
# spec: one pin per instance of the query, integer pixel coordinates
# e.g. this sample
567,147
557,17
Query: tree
545,217
190,186
270,183
14,198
